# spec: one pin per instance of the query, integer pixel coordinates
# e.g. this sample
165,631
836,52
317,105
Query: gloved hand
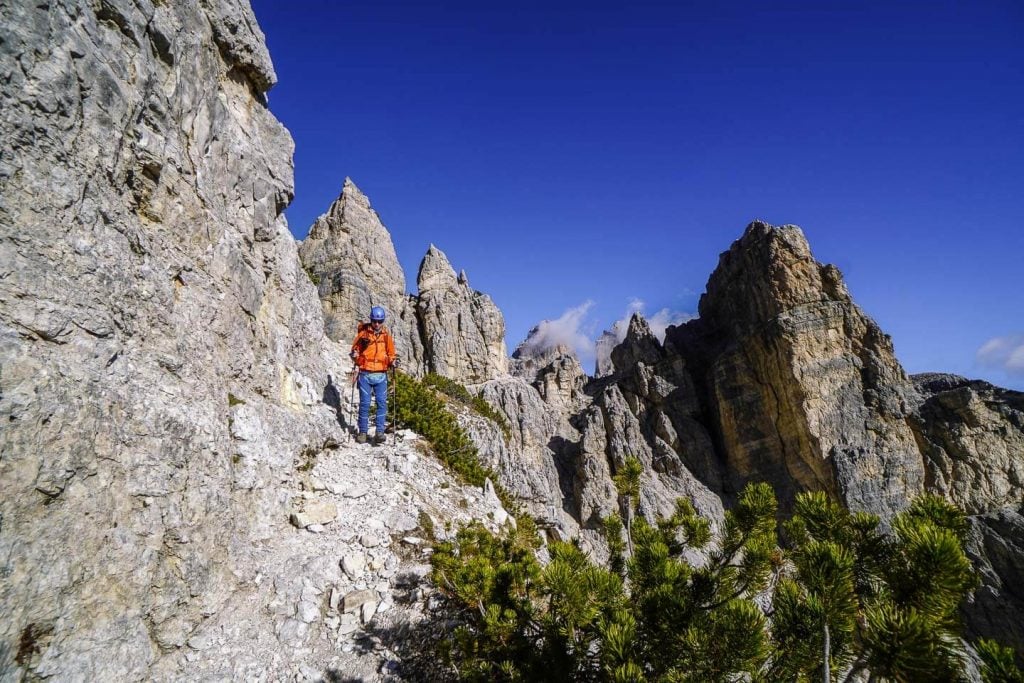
353,354
395,362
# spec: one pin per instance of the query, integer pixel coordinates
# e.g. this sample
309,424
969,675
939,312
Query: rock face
161,351
804,388
648,409
555,373
995,545
350,255
463,331
603,352
972,434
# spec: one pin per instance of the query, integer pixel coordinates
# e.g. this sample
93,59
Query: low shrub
476,402
422,410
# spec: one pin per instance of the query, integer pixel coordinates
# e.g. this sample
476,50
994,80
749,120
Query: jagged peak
351,194
769,269
338,213
640,345
536,345
639,328
436,271
760,232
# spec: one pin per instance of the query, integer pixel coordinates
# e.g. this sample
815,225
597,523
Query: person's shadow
332,397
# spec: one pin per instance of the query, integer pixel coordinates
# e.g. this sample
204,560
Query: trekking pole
397,436
354,376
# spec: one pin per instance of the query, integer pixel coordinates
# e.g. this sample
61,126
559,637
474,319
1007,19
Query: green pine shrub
998,663
476,402
575,620
420,409
885,603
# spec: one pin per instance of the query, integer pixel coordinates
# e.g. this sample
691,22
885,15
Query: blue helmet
377,313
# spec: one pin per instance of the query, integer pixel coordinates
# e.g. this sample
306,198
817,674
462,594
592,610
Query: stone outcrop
804,388
995,544
972,436
162,358
649,410
350,256
603,353
463,331
554,372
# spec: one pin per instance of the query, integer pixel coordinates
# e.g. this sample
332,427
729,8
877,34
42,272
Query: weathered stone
357,491
463,331
162,353
639,346
353,564
995,545
356,599
972,434
805,389
314,512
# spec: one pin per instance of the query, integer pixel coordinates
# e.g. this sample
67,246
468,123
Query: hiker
373,351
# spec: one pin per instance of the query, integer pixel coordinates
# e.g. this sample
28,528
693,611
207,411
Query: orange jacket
375,351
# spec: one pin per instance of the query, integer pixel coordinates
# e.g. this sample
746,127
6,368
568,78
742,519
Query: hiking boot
361,437
378,439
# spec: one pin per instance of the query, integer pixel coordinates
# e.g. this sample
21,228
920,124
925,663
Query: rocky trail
338,591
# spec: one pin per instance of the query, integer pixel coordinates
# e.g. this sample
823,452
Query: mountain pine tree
861,600
846,598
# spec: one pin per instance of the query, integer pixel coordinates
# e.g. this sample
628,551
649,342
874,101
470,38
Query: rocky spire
350,257
639,346
463,331
806,389
603,353
436,273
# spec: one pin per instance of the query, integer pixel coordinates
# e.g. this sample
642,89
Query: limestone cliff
972,434
647,409
161,350
804,389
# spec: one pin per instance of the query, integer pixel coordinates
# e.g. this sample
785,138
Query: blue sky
607,152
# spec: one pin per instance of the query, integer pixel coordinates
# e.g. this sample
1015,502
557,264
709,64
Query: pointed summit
766,272
436,271
463,331
349,254
350,192
350,210
639,346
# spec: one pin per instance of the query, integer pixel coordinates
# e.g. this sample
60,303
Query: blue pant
377,382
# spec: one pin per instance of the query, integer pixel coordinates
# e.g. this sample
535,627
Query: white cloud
575,330
570,329
1005,353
